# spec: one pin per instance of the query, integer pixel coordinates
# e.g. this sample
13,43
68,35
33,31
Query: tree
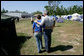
6,11
17,11
24,12
62,10
54,9
52,6
3,10
37,12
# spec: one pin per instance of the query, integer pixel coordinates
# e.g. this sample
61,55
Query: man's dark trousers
47,38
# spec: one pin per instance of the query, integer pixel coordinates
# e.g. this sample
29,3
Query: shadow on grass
13,45
10,42
20,41
61,48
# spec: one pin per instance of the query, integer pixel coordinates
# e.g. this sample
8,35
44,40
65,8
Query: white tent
81,20
64,17
81,16
75,16
58,16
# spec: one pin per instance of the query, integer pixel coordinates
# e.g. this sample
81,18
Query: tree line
17,11
54,9
4,11
37,12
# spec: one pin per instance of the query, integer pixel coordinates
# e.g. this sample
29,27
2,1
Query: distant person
37,30
32,20
47,30
17,19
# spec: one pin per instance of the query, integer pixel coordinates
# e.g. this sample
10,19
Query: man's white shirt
47,21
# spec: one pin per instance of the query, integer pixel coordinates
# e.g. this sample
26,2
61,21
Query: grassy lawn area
67,38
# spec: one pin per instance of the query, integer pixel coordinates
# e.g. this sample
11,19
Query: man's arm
42,22
33,30
38,23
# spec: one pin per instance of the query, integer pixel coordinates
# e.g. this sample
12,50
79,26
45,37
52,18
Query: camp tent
76,17
55,17
69,17
64,17
81,16
58,16
59,20
81,20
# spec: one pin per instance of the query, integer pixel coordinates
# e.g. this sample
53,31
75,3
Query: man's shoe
48,51
42,47
40,51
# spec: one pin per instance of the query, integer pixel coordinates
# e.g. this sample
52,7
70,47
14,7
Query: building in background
19,15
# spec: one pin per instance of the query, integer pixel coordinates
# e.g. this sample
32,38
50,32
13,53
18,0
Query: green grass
64,34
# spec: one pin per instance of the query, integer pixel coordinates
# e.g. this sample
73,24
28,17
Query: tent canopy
59,20
75,14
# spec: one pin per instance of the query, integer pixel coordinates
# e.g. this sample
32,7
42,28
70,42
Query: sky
33,6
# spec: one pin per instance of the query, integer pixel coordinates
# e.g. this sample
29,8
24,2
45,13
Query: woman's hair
38,17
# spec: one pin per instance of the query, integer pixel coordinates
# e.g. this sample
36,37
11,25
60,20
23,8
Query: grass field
67,38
